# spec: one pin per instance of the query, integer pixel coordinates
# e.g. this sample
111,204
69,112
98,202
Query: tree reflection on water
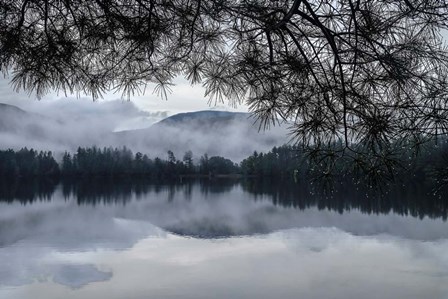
413,199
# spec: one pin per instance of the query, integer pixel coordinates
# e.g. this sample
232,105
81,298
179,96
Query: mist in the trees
61,127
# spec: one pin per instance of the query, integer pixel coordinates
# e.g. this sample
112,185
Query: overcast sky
184,98
59,123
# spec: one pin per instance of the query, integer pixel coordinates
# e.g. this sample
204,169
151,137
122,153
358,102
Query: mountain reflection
415,200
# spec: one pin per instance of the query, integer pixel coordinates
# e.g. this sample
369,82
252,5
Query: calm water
218,239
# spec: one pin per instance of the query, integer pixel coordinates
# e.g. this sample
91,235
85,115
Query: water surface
218,239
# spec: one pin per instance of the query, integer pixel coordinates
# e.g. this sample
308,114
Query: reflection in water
413,200
77,276
140,239
70,275
27,190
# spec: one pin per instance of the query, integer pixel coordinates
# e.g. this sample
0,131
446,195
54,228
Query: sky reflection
163,245
296,263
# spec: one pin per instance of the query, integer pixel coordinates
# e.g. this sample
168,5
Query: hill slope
19,128
11,117
229,134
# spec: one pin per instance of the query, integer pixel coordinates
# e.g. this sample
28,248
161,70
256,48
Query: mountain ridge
233,135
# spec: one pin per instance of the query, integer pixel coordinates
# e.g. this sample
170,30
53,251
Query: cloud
60,123
183,98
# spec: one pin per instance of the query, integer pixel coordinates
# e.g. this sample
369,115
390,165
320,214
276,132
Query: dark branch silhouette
357,78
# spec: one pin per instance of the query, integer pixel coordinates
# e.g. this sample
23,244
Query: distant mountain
14,120
205,117
20,128
234,135
11,117
5,108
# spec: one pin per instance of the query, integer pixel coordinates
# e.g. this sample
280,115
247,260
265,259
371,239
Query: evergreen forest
429,166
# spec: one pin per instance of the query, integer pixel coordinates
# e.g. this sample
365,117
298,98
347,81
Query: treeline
110,162
122,162
280,162
27,163
284,161
288,161
405,165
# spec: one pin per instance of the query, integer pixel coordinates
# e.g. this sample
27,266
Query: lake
221,238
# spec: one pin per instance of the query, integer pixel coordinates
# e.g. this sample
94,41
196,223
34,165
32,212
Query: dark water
219,239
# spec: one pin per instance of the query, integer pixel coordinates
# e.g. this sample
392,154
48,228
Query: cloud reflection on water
142,248
295,263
